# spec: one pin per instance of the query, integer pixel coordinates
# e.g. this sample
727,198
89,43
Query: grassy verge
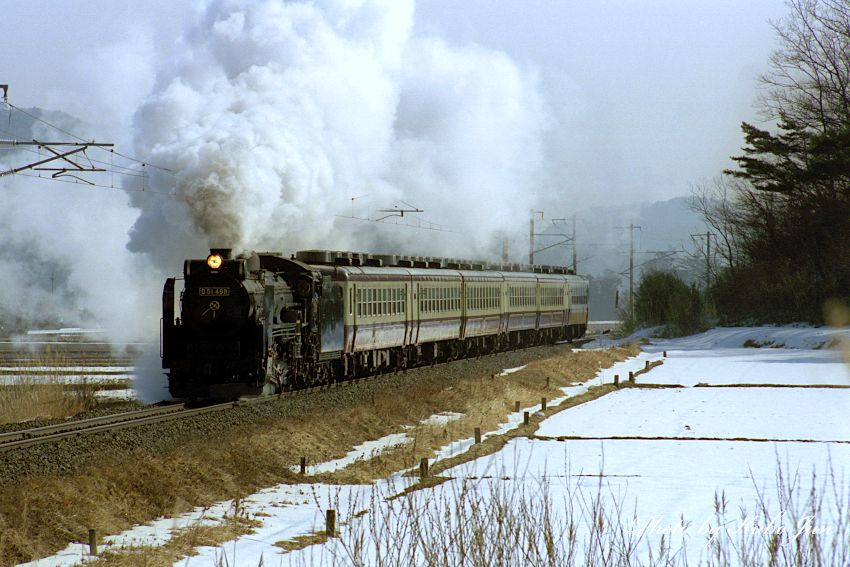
42,395
39,516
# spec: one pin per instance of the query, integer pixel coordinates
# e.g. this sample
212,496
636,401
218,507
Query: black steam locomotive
261,323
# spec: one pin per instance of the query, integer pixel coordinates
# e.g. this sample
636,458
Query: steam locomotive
262,323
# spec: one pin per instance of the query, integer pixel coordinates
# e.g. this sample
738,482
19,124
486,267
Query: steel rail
48,433
137,418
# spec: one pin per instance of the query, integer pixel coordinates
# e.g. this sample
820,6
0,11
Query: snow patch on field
664,480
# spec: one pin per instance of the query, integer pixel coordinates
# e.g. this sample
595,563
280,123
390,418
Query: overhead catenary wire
83,140
91,184
136,169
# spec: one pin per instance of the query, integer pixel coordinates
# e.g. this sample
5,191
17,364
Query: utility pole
632,228
575,260
531,236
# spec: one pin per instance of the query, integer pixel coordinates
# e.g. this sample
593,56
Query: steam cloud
278,113
273,117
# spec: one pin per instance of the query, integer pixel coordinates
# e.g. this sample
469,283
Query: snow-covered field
727,421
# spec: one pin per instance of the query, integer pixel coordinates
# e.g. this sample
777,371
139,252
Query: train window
359,304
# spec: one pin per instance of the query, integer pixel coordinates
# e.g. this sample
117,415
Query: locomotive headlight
214,261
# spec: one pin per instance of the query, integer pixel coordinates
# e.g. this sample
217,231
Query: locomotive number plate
214,291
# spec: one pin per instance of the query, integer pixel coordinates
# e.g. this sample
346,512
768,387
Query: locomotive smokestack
226,253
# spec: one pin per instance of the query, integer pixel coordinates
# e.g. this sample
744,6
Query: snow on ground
362,452
115,395
508,371
662,480
65,379
821,414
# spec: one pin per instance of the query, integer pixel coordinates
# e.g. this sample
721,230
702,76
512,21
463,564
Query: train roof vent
374,262
387,259
315,256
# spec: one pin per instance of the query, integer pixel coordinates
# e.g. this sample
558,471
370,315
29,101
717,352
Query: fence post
542,404
547,382
330,523
423,468
525,418
303,466
617,380
631,377
516,406
477,435
92,542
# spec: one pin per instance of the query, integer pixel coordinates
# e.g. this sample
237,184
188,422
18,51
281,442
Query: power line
71,134
91,184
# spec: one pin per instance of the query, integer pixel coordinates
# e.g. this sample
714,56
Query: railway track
52,433
124,420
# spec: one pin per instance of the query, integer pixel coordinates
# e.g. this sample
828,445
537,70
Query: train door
417,313
355,318
408,314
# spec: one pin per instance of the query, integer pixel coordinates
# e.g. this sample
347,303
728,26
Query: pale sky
645,97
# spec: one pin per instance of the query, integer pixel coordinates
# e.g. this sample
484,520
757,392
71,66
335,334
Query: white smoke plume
279,113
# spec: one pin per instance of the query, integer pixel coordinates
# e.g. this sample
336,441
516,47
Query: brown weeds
136,487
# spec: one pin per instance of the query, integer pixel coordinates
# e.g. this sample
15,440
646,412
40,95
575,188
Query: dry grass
42,390
44,396
482,521
41,515
182,544
301,542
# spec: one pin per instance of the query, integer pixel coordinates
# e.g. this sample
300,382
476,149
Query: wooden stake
477,435
330,523
92,542
542,404
516,406
303,466
665,354
547,382
525,418
423,468
631,377
617,380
